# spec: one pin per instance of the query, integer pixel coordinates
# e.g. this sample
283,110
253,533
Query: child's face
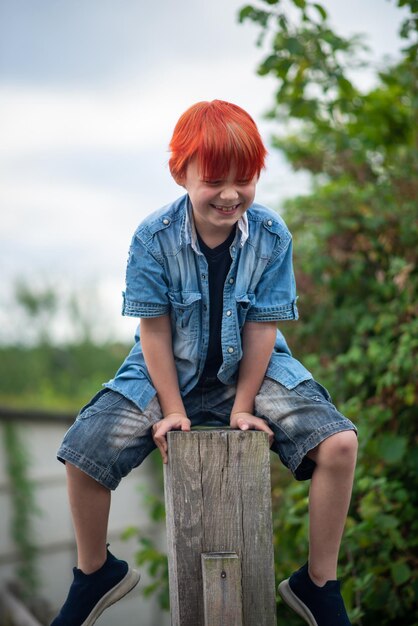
218,204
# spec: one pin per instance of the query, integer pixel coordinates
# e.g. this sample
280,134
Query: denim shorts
111,435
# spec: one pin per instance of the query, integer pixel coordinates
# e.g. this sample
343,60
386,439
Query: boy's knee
339,450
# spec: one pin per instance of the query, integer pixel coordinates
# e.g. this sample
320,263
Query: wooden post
218,499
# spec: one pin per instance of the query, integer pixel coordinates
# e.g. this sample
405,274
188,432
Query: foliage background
356,244
356,247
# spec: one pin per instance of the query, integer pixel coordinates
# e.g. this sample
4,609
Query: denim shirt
168,274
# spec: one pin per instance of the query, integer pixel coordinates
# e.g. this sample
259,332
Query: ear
180,180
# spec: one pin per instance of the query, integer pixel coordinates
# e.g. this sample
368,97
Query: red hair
218,133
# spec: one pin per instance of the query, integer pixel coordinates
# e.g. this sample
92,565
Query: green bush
56,377
356,247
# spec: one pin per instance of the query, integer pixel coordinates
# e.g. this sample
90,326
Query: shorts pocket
103,400
313,390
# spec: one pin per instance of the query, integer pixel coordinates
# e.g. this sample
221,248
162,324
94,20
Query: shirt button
229,313
269,223
231,281
230,349
204,276
205,308
166,221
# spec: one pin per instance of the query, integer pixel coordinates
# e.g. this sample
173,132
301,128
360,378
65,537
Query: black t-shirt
219,262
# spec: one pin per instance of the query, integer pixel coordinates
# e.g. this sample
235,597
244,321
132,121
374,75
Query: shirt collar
190,228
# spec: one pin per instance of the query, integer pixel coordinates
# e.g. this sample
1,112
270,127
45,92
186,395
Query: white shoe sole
113,595
295,603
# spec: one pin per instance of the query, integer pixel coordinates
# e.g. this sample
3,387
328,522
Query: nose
229,193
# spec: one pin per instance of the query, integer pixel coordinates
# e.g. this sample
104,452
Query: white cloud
59,226
131,116
40,120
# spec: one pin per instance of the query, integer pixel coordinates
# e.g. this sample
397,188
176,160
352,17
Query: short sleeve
146,293
275,293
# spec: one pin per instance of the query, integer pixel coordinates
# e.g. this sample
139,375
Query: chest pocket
185,311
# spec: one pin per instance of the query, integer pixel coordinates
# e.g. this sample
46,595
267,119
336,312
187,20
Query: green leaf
256,15
320,10
293,45
282,22
387,522
391,448
369,508
345,85
245,13
128,533
401,572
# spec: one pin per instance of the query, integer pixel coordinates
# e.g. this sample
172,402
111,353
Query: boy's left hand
247,421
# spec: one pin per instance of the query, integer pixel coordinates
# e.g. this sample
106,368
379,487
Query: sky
90,91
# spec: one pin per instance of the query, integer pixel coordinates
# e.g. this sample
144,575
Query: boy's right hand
174,421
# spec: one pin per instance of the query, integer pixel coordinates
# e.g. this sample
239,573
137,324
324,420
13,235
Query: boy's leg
314,441
110,437
329,499
90,505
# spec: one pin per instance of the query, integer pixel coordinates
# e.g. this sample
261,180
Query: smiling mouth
226,209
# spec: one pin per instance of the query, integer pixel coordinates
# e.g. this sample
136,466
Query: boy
210,275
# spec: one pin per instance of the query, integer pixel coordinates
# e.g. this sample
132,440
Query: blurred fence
40,433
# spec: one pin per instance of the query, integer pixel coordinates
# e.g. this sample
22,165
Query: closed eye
213,183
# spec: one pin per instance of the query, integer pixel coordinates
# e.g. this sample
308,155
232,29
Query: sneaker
91,594
318,606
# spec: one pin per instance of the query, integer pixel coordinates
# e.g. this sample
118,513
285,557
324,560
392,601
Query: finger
265,428
256,424
160,441
164,455
261,425
162,446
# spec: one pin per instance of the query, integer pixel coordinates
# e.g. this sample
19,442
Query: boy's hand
174,421
247,421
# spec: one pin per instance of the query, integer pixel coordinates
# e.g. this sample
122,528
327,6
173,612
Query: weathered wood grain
218,499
